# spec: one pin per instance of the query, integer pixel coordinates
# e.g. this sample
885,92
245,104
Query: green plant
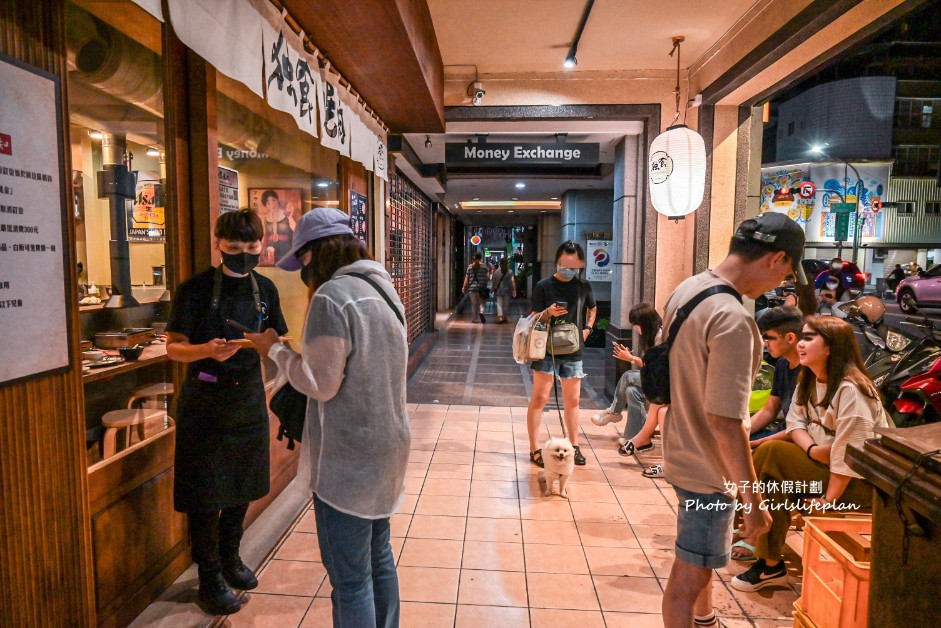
602,324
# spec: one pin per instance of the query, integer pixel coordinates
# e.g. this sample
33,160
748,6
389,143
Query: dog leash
555,384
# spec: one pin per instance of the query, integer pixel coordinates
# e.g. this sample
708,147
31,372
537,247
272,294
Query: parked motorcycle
912,387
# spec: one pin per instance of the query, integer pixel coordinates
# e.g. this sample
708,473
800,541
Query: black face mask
240,263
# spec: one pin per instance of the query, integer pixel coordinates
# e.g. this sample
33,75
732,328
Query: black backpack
655,373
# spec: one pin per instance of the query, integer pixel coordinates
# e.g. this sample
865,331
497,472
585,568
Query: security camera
476,92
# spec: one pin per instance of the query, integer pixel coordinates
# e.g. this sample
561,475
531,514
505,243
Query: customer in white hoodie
352,366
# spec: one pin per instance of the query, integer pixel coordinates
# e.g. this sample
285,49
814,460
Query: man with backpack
713,362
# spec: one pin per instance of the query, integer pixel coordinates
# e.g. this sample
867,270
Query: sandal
656,471
745,558
629,449
536,458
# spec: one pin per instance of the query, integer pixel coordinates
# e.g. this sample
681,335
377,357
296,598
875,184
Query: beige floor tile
550,532
495,446
291,577
494,488
647,514
661,561
437,527
396,544
553,508
453,457
428,584
494,530
491,472
425,432
607,535
307,523
531,485
319,614
446,486
590,476
566,559
624,593
656,537
264,610
424,444
633,620
446,505
598,512
635,495
458,446
463,434
420,456
497,459
413,485
416,469
485,555
427,615
449,471
299,546
583,492
431,553
603,561
407,506
469,616
495,588
494,507
399,523
555,618
569,591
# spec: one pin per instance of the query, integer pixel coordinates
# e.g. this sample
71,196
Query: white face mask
832,284
568,273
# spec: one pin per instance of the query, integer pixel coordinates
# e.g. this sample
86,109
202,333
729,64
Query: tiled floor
478,545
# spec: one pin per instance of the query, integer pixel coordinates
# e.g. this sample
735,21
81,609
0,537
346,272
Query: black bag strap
683,313
382,292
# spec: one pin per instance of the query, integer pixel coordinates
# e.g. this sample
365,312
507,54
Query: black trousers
215,536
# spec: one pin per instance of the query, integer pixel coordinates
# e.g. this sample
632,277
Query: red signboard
6,144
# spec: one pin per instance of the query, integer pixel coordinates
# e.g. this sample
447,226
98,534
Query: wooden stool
151,391
117,420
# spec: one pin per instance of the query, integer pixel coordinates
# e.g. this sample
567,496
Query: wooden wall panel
46,579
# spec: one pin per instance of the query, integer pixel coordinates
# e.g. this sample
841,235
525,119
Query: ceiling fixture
476,198
516,198
476,93
323,184
509,211
570,60
553,198
96,135
677,162
520,185
428,141
152,152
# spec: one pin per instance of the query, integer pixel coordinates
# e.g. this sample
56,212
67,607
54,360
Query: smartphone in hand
562,305
239,326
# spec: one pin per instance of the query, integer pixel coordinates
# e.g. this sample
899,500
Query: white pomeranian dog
558,457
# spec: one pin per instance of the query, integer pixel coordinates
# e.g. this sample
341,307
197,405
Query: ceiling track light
570,60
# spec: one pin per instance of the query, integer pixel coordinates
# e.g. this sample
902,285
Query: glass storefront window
271,167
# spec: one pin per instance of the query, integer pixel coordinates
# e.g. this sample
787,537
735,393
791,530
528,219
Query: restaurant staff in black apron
222,420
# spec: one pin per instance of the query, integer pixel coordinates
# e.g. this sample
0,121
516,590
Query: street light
820,150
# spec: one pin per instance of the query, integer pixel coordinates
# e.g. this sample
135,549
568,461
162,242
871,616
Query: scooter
913,386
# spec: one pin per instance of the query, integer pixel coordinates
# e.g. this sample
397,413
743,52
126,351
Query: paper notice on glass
33,320
600,266
228,190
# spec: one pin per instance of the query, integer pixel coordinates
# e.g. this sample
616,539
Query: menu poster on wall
33,319
600,266
228,190
359,217
146,216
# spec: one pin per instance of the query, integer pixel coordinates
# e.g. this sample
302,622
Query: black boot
238,575
217,595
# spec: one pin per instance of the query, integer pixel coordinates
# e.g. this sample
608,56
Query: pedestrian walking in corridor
476,279
563,299
503,286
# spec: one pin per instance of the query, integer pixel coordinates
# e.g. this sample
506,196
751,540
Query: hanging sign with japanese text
33,319
334,115
292,76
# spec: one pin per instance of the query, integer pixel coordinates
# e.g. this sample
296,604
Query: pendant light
677,163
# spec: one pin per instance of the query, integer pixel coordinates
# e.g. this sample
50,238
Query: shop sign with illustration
279,210
600,266
146,216
780,193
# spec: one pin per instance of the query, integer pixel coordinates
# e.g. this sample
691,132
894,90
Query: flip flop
536,458
749,547
656,471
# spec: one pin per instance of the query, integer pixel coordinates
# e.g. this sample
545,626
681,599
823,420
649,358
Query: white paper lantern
677,171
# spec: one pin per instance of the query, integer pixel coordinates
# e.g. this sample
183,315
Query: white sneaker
606,416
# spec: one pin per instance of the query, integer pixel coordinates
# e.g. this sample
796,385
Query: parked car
923,289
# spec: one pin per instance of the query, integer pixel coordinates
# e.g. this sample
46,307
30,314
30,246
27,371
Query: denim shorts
565,367
704,528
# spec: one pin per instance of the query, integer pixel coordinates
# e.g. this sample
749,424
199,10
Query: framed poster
146,217
359,216
34,324
600,266
279,209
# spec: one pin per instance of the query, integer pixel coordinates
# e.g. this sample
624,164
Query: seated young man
780,329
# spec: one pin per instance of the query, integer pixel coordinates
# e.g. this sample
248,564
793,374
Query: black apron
222,435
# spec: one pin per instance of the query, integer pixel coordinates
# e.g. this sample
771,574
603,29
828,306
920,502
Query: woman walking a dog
560,299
